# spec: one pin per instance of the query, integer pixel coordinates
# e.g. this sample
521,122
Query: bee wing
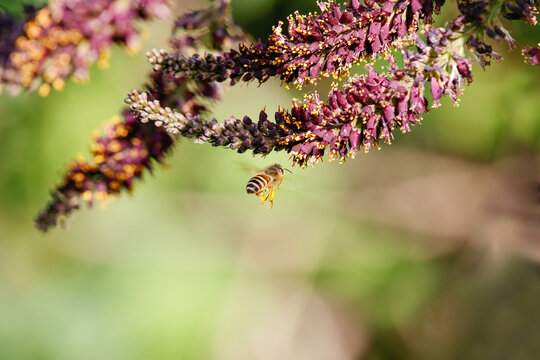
288,186
292,181
247,167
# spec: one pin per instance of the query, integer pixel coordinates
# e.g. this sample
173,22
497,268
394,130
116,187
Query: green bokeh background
427,249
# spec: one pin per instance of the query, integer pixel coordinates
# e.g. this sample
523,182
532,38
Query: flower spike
316,45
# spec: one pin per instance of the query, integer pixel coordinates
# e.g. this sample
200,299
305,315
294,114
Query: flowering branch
361,114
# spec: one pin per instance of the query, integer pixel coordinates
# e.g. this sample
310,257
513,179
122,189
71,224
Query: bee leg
262,196
272,195
265,198
280,180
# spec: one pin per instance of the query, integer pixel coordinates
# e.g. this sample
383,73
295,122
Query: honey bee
265,180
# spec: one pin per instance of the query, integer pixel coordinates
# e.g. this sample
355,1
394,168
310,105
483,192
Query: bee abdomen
257,183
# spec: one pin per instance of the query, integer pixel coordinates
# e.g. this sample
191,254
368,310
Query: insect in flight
265,180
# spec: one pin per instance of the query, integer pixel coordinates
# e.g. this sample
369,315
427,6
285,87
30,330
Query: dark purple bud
329,136
416,6
332,101
491,33
403,106
499,31
296,148
436,91
367,111
388,7
347,17
265,149
532,55
417,101
370,3
307,148
399,25
389,114
345,130
263,117
247,121
376,44
464,69
371,123
428,11
337,12
355,4
374,29
342,100
438,5
385,31
354,140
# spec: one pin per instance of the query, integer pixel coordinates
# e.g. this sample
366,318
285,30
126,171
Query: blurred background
427,249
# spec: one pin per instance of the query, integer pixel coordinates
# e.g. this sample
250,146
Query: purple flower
358,117
436,91
317,45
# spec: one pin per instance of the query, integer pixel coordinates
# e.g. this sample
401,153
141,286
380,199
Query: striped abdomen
258,183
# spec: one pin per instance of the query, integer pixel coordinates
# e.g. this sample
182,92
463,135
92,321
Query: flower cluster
128,147
483,18
365,112
486,14
66,37
119,156
526,10
532,55
316,45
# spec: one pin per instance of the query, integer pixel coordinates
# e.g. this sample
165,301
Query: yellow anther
44,90
95,135
63,59
114,146
36,52
114,185
78,177
32,30
59,84
116,120
103,61
87,195
43,18
99,159
133,48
